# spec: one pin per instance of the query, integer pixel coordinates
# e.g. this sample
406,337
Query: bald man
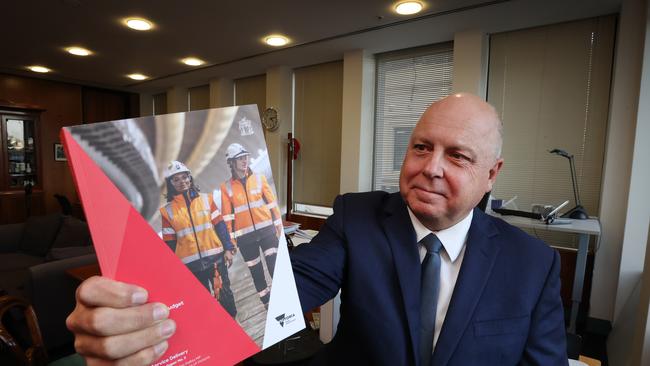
425,278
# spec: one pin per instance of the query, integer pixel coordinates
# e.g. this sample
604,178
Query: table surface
85,272
588,226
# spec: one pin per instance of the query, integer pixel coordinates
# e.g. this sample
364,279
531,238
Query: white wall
611,286
471,60
640,354
222,92
357,123
279,94
632,296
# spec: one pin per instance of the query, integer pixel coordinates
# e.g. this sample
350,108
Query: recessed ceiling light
39,68
137,76
408,7
140,24
79,51
276,40
192,61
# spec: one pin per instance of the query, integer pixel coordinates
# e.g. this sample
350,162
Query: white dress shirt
453,241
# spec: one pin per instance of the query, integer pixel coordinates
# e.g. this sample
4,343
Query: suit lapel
480,254
401,236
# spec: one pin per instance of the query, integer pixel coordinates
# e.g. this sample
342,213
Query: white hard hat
175,167
235,150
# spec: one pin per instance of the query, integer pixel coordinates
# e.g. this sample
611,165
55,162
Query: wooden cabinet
21,175
20,162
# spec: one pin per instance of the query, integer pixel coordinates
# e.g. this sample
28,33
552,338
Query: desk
84,272
582,228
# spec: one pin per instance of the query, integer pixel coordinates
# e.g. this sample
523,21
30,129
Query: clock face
270,119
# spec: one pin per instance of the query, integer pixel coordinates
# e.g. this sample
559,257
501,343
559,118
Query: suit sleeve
318,266
546,343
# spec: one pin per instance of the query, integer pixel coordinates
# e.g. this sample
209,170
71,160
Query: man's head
452,160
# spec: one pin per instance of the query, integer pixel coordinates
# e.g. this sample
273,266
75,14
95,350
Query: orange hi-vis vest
250,208
193,228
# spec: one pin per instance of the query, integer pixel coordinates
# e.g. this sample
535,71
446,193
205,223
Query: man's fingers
104,321
101,291
137,345
144,357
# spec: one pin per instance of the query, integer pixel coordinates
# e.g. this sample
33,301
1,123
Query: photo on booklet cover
203,182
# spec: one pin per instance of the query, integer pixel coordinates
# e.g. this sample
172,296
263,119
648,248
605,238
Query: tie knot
431,243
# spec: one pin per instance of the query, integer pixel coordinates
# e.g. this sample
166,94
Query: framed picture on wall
59,154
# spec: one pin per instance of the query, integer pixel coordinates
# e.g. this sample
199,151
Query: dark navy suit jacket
505,309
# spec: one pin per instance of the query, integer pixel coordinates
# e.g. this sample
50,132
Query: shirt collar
452,238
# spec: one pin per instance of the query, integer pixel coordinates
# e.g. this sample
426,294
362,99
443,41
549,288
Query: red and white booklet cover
168,198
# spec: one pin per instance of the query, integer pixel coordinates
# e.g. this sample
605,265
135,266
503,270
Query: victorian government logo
285,319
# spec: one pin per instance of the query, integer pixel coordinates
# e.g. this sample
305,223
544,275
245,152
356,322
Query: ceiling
228,34
218,32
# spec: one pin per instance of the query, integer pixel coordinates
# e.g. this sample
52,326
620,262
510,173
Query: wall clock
270,119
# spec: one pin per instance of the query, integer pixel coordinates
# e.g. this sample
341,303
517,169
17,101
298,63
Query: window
550,86
407,82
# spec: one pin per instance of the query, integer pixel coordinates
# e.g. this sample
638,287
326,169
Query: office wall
64,105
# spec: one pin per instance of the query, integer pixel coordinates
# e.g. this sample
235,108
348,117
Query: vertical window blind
407,82
198,97
318,105
251,90
550,86
160,104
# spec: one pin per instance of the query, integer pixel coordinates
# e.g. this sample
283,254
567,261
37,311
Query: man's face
451,161
241,165
181,181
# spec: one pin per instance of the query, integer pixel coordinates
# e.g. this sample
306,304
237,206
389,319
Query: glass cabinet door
21,164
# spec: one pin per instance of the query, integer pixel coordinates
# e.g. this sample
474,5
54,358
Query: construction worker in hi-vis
252,216
194,229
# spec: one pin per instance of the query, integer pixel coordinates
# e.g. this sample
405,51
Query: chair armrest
52,293
21,336
11,235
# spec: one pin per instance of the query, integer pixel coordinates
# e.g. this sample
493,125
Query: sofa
34,257
38,240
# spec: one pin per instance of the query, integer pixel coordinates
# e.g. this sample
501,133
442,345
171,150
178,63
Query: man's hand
228,256
114,325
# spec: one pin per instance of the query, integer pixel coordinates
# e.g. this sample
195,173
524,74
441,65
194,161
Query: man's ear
494,171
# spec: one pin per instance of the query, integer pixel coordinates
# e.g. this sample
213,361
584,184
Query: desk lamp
578,212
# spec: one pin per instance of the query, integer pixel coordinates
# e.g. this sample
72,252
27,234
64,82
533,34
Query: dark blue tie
430,285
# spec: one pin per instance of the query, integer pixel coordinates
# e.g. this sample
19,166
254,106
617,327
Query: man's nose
434,166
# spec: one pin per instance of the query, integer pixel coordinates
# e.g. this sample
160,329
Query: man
481,293
252,216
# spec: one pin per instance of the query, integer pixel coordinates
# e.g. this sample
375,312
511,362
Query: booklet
185,205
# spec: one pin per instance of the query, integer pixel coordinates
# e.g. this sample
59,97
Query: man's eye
420,147
459,156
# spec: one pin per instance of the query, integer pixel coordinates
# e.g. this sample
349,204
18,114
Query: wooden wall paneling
61,104
13,208
100,105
